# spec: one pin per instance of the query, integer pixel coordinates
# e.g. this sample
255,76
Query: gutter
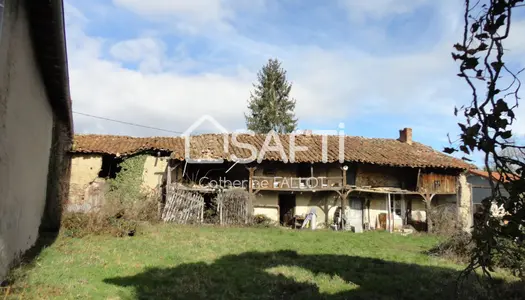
46,19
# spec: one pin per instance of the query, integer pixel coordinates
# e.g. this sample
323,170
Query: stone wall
84,171
464,203
86,187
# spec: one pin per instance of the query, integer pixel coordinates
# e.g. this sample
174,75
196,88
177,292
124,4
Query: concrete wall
378,205
267,202
26,123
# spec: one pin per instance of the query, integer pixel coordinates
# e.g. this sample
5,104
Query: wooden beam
427,198
417,179
388,214
168,175
343,210
251,171
344,176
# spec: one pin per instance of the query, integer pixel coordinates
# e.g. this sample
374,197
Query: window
437,184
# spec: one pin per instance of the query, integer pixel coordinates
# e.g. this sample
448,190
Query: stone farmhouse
378,183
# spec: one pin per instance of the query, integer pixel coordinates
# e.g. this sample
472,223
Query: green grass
168,262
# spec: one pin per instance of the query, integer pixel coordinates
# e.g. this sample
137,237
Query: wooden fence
183,207
234,207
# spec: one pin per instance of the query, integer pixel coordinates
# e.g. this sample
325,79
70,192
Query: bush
262,221
444,220
460,246
146,209
114,218
512,257
457,247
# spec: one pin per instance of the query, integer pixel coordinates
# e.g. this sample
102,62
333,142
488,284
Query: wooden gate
234,207
183,207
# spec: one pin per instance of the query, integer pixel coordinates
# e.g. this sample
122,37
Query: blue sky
377,66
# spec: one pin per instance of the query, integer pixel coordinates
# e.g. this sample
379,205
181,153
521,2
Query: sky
375,66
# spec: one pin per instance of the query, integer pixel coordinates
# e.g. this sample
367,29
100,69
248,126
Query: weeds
117,218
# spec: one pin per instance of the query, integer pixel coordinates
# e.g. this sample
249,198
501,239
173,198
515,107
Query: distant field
168,262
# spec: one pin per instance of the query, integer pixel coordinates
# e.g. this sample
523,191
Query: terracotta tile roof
124,145
357,149
495,175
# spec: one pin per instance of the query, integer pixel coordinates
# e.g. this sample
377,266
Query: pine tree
270,106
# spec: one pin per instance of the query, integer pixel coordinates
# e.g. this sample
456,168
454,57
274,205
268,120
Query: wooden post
344,176
202,212
168,175
388,217
417,179
250,180
249,206
391,213
220,211
428,207
368,211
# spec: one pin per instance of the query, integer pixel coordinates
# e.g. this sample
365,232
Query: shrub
511,256
114,217
460,246
126,203
262,221
444,220
145,209
457,247
109,219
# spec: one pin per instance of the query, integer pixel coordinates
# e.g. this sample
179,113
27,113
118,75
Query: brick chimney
405,135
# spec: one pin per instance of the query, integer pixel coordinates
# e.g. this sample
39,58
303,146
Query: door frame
284,197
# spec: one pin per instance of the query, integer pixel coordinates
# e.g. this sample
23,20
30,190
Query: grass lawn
169,262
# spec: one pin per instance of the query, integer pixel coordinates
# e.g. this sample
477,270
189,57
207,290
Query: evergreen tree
270,105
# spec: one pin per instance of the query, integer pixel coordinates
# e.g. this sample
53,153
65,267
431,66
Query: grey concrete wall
26,123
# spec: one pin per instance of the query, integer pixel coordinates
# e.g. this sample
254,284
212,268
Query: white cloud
148,52
198,10
330,85
378,9
192,16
